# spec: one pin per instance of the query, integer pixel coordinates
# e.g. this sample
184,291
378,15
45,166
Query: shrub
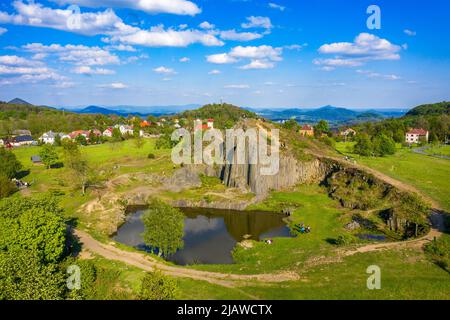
345,239
7,187
156,286
151,156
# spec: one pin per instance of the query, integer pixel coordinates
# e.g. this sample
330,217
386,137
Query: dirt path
147,263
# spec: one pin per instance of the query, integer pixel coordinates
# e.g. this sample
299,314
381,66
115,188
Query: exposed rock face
291,172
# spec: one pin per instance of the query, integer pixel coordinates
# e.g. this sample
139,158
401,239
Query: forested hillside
224,115
42,119
430,109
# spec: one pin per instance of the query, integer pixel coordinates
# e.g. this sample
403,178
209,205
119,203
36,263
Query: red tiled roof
420,132
307,127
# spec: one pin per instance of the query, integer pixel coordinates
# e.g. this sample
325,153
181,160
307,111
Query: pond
209,234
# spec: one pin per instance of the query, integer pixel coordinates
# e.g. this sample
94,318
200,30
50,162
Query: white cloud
221,58
164,70
179,7
121,47
261,57
18,61
76,54
3,30
106,23
410,33
185,59
114,85
14,70
257,22
206,25
160,37
260,52
215,71
87,70
237,86
64,85
371,74
366,47
88,23
239,36
276,6
258,64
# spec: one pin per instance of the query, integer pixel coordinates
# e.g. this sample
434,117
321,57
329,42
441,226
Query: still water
209,234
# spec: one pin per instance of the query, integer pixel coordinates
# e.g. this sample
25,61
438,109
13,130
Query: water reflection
209,234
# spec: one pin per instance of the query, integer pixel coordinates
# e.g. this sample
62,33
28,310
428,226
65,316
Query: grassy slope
428,174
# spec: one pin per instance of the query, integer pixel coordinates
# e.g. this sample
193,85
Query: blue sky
254,53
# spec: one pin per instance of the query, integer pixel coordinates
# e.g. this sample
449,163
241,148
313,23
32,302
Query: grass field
428,174
439,150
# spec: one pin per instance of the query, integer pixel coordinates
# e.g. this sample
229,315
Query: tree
81,139
93,138
57,140
139,142
164,228
9,165
49,156
290,124
164,142
363,145
7,187
321,127
156,286
77,165
24,277
116,135
34,226
383,145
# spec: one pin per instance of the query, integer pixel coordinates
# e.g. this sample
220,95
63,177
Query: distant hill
430,109
334,115
107,112
19,101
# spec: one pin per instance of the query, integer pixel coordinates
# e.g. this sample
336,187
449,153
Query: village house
22,141
416,136
2,142
126,130
73,135
348,132
49,137
108,132
306,131
145,124
210,124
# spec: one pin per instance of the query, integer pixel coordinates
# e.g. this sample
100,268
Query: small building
348,132
416,136
36,159
2,142
210,123
73,135
49,137
95,132
145,124
108,132
22,141
306,131
126,130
